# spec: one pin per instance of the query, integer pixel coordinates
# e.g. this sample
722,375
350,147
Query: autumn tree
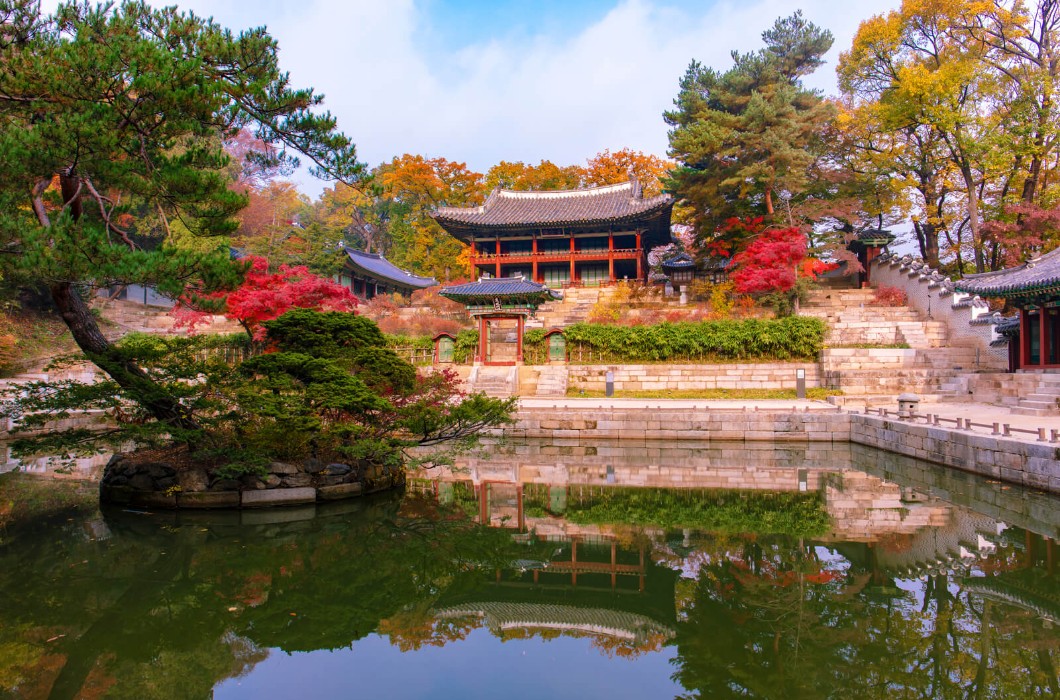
115,110
409,188
546,175
962,98
265,294
607,168
747,141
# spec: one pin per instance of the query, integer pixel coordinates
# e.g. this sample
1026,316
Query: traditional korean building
500,307
567,237
1033,288
370,274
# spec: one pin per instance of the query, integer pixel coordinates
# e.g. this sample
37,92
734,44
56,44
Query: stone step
1028,411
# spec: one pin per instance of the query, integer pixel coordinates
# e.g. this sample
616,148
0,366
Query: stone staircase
928,364
127,317
574,307
500,382
1044,400
551,380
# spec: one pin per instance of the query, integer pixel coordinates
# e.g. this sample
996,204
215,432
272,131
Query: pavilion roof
376,266
681,261
1037,277
510,209
505,289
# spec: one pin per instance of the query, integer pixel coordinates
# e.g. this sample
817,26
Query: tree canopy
748,140
113,120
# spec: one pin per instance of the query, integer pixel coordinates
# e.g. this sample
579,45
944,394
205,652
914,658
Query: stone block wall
763,375
1036,465
933,296
679,424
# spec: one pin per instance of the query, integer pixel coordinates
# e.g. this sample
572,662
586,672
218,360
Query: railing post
996,431
1041,434
1005,430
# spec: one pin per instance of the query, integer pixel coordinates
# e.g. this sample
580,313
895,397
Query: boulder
282,468
165,483
251,481
193,480
332,479
157,470
339,469
225,485
272,481
314,466
297,480
142,482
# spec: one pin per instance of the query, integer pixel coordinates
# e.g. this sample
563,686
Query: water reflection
806,571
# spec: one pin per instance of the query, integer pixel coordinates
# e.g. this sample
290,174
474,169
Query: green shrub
791,338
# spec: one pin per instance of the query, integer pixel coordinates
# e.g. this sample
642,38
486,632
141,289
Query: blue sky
489,80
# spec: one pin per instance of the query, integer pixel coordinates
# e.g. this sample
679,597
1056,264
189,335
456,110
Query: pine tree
114,116
749,136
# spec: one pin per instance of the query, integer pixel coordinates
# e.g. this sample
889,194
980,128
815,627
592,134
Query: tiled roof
1038,276
499,288
507,209
872,235
375,265
681,261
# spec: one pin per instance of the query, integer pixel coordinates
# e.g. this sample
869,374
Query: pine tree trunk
140,386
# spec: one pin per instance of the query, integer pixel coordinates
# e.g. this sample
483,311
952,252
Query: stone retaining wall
679,424
1035,465
749,375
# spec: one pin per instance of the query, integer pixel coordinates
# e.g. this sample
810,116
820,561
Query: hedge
792,338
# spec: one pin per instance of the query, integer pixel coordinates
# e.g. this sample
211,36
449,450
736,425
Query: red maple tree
265,295
768,263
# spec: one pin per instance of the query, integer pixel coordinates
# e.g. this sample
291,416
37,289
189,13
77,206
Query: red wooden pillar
481,338
1025,339
533,259
1043,355
498,258
610,256
519,338
572,259
640,259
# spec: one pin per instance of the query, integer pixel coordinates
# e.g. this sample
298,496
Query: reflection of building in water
503,617
885,529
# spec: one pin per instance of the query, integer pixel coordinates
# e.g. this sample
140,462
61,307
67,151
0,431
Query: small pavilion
560,238
501,307
368,275
1033,288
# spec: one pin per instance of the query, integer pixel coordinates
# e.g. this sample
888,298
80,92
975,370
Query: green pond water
546,570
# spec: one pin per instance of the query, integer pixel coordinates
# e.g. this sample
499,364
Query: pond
534,570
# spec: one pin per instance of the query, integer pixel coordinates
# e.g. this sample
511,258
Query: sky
482,81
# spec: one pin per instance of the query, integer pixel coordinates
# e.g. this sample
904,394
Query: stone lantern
907,404
681,269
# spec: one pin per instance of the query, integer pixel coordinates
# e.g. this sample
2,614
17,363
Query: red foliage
266,295
1032,231
889,296
769,263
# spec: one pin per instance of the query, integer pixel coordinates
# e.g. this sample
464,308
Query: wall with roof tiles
967,318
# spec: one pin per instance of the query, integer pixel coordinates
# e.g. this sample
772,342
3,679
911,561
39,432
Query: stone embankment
129,480
1035,465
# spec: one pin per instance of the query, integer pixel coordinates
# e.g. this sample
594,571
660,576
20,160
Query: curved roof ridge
556,194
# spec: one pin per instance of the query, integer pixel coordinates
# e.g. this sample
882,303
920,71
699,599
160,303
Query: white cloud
539,98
